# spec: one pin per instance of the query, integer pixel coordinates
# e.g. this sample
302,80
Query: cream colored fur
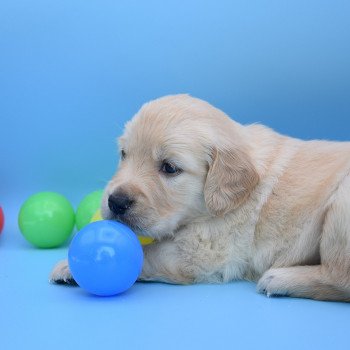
249,204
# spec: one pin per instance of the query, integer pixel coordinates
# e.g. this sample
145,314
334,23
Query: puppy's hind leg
335,242
312,282
331,279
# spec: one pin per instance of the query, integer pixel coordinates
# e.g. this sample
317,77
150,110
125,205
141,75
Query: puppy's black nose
119,203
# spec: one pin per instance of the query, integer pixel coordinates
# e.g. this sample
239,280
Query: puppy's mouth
134,222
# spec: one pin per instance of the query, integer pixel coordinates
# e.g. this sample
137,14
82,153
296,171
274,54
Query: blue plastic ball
105,258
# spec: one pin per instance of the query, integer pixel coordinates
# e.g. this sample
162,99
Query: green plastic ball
46,219
87,208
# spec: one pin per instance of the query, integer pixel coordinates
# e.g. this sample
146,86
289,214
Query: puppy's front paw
61,274
273,283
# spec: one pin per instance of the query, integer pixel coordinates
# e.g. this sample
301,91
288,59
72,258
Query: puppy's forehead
164,135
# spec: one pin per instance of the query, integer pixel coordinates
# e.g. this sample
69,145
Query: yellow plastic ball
96,217
143,240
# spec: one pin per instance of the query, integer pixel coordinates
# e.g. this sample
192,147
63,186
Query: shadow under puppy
226,201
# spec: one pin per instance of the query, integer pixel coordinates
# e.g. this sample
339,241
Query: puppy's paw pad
69,281
61,274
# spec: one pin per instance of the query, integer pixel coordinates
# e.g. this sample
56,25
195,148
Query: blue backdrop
73,71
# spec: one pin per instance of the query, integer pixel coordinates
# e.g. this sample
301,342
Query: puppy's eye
170,169
122,154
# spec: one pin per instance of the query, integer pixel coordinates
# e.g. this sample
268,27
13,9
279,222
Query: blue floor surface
37,315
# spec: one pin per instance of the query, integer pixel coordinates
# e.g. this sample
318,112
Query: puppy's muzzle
120,203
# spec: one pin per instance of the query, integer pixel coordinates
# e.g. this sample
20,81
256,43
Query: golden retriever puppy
226,201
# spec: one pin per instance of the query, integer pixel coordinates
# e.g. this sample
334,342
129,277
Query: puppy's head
182,160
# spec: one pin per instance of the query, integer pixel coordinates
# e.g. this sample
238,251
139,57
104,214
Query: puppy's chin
134,224
161,228
131,221
142,229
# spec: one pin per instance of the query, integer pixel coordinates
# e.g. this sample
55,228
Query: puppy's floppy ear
230,180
